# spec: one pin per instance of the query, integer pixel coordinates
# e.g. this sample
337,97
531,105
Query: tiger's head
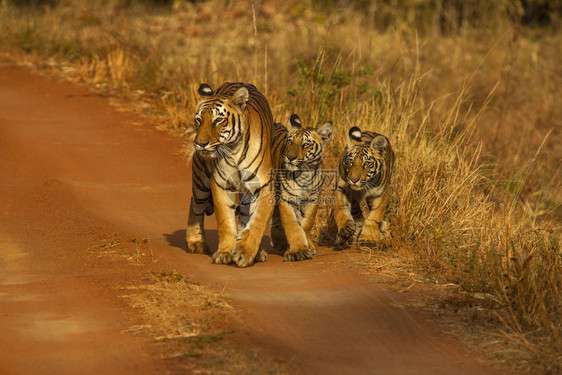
304,147
363,163
219,120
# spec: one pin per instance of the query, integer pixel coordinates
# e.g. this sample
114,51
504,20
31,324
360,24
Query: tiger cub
234,129
365,170
298,154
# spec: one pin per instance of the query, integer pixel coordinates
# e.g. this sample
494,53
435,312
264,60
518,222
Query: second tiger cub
298,154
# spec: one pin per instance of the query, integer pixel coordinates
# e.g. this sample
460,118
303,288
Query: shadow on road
177,239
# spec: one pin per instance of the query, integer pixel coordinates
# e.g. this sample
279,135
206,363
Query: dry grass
470,101
117,247
177,309
192,325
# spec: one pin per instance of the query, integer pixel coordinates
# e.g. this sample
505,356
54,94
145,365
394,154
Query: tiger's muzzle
206,149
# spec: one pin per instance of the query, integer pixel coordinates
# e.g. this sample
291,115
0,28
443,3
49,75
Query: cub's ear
379,144
240,97
354,136
295,121
325,131
205,90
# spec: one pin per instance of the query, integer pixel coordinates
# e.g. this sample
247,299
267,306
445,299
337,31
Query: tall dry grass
469,100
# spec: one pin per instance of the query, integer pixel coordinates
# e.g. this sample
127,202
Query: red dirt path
72,168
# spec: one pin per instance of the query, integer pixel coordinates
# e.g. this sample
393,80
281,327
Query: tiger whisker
188,152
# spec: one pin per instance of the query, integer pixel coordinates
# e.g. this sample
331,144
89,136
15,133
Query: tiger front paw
242,254
312,249
295,255
345,233
261,256
374,234
222,257
197,247
369,238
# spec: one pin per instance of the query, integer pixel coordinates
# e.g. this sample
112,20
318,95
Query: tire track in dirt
71,164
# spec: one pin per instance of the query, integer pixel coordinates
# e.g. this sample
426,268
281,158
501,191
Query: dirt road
72,167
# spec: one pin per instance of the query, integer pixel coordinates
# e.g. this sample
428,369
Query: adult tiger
365,170
232,154
298,154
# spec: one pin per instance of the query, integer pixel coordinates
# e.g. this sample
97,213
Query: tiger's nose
354,179
291,155
201,144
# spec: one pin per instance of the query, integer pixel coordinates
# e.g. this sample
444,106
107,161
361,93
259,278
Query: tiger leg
308,222
344,220
296,236
247,245
200,202
246,208
372,227
194,235
243,210
277,233
357,214
226,222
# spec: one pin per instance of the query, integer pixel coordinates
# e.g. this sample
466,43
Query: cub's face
305,146
219,121
363,164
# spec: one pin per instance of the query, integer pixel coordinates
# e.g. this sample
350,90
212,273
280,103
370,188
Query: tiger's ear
354,137
325,131
379,144
205,90
294,123
240,97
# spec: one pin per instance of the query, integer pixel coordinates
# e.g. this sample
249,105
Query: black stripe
259,153
201,165
201,187
246,146
219,171
200,200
